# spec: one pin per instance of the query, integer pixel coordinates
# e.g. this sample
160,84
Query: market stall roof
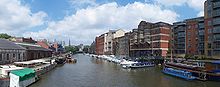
23,72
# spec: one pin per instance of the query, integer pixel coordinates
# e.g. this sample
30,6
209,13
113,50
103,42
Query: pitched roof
33,47
5,44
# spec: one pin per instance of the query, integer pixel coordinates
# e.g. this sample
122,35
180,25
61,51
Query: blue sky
82,20
58,9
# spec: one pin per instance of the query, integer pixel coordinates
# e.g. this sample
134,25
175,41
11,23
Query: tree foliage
72,49
86,48
5,36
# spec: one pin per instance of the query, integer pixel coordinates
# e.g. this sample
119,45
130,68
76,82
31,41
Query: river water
90,72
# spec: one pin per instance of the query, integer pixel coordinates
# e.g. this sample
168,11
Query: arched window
0,57
7,56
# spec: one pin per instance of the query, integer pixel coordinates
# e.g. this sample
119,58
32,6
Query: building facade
108,40
56,47
121,46
179,39
92,48
99,44
23,40
188,37
195,36
33,51
10,52
212,28
150,39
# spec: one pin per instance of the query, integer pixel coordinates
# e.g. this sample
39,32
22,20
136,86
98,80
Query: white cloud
85,24
172,2
15,17
78,4
197,5
201,13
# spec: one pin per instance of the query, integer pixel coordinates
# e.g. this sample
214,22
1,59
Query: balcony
216,30
216,21
216,13
216,4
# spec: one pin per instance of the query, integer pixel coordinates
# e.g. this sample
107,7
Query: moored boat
201,69
141,65
179,73
127,64
60,61
71,60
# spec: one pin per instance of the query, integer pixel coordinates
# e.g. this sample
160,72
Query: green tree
5,36
86,48
72,49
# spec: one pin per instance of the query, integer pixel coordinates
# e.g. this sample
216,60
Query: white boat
127,64
141,65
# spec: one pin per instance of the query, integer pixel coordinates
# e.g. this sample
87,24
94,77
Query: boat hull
179,75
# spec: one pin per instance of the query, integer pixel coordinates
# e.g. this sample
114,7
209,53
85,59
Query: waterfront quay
93,72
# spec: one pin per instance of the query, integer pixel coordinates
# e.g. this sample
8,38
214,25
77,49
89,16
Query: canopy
24,74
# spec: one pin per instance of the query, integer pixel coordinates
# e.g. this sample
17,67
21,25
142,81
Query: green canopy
24,74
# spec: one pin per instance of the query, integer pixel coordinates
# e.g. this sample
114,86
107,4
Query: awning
24,74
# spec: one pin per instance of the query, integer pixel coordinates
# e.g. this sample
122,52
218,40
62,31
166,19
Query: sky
82,20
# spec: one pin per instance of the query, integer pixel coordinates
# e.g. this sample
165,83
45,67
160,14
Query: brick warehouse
150,38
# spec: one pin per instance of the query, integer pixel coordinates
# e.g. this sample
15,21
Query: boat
141,65
202,69
60,61
71,60
127,64
179,73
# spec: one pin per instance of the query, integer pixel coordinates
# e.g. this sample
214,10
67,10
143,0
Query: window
7,56
209,31
201,25
0,57
216,21
209,45
189,34
217,37
13,55
209,38
19,56
216,4
216,12
209,23
217,45
209,52
201,32
216,29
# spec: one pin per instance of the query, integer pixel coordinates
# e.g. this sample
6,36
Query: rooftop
8,45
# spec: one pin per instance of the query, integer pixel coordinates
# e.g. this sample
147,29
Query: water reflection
91,72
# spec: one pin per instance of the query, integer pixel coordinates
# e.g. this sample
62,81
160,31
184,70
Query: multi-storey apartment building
212,28
121,46
108,40
188,37
179,39
201,36
140,40
150,39
195,36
